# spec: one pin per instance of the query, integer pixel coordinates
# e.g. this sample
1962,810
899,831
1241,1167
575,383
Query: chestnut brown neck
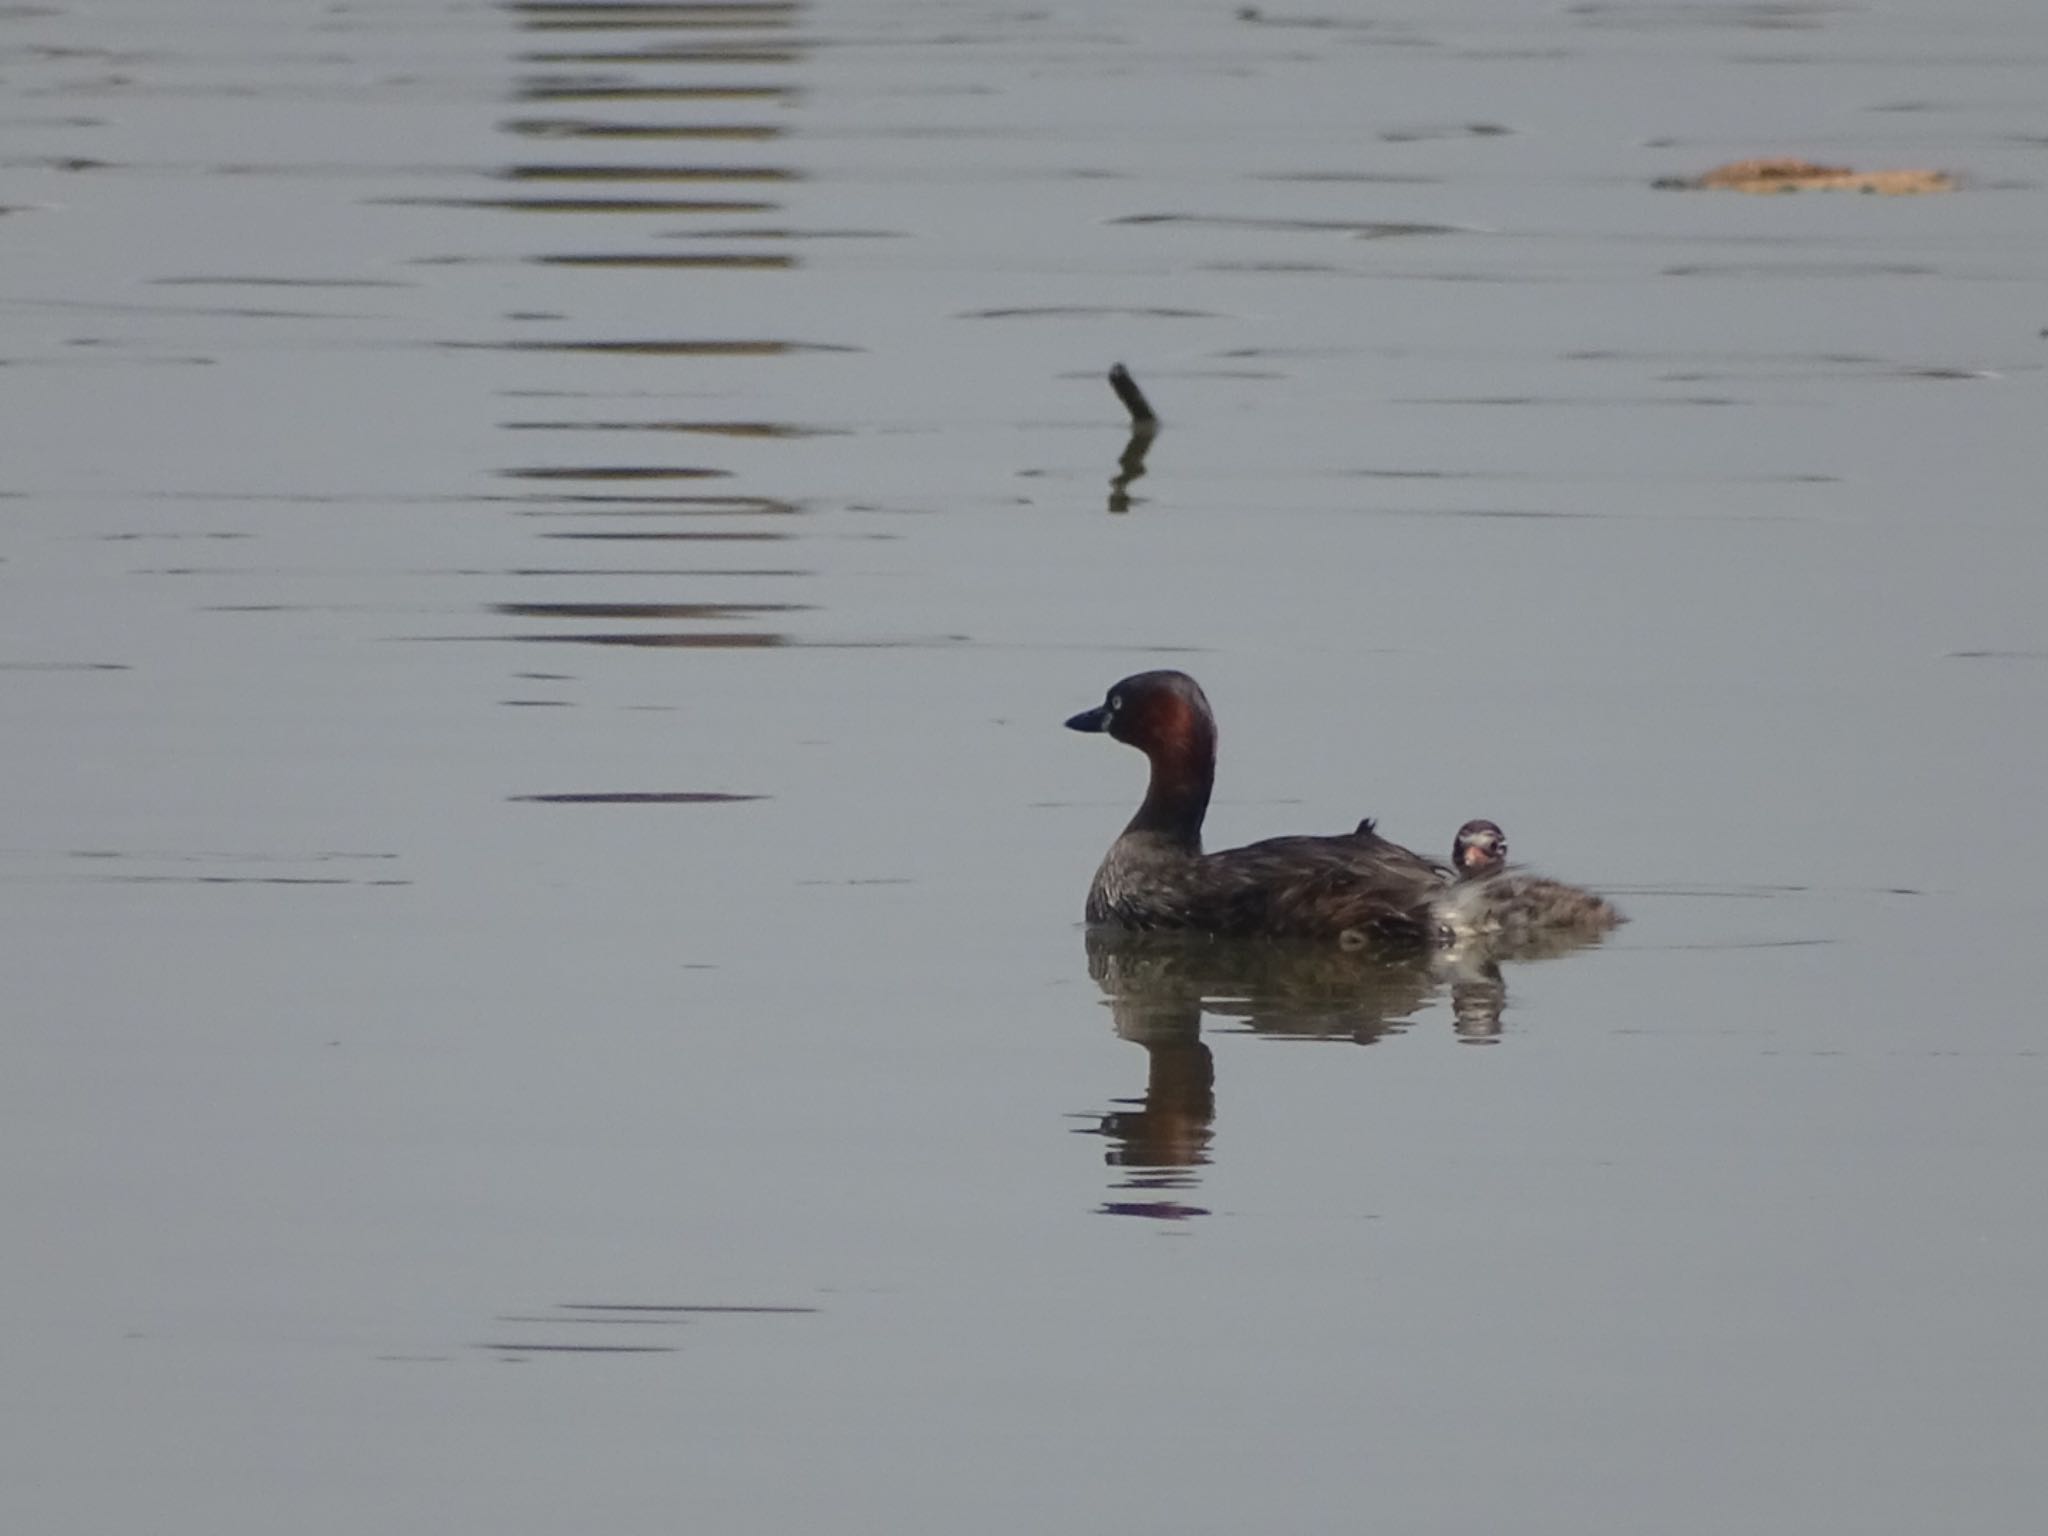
1183,757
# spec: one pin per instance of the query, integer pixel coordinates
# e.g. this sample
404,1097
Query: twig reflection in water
1144,427
1159,985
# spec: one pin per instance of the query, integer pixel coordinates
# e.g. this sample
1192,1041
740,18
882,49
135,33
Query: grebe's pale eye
1116,702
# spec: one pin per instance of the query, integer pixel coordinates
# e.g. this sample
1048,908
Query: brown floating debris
1133,397
1781,174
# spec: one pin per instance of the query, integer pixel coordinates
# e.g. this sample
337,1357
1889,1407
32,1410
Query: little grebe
1492,902
1358,887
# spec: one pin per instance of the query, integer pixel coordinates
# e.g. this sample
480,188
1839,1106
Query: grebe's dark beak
1096,719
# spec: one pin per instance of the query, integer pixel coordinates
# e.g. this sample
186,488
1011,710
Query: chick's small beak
1096,719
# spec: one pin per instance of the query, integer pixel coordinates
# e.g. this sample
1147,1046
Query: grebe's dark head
1162,714
1479,849
1165,716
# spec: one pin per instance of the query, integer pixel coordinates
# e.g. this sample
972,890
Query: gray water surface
546,548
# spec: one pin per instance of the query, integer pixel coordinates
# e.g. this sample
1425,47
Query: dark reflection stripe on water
600,15
321,499
723,640
664,572
594,128
787,234
1822,269
1346,178
567,1319
587,91
663,506
648,173
615,472
227,855
1364,229
1774,16
258,281
741,1308
506,1347
698,535
731,641
638,797
777,429
1156,1210
585,204
1270,268
738,347
662,53
1087,312
643,610
238,880
115,867
710,261
234,311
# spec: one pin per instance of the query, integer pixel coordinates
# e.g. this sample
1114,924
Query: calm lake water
546,547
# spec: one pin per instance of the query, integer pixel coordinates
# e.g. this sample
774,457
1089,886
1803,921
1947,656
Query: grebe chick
1494,902
1480,848
1357,887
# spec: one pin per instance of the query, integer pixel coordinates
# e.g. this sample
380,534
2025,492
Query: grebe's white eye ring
1116,702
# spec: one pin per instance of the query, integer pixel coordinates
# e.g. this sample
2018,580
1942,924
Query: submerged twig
1133,397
